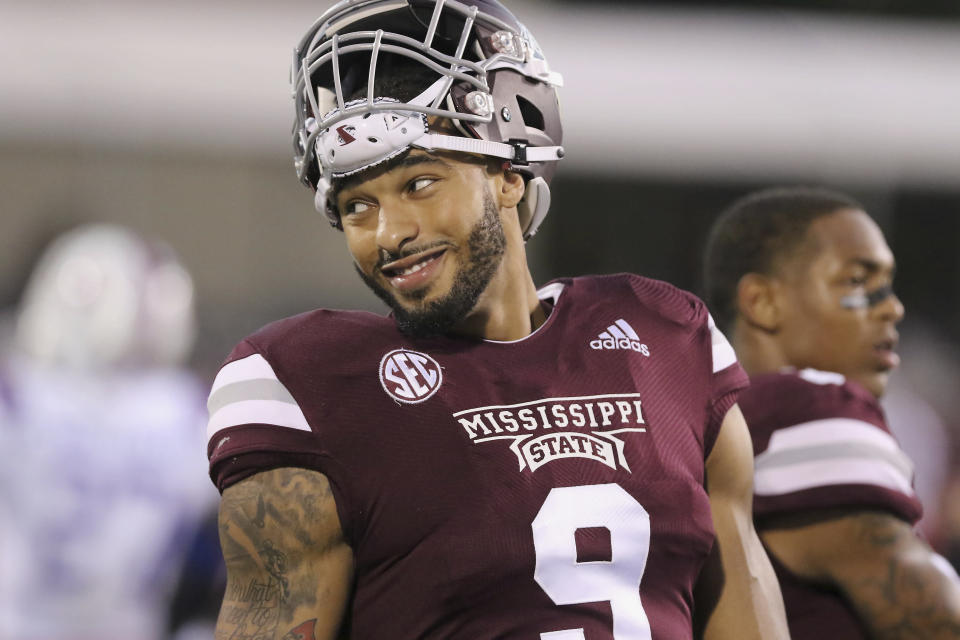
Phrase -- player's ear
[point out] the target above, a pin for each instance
(758, 302)
(512, 188)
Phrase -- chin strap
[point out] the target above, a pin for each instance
(532, 209)
(518, 153)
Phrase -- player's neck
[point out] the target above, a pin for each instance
(509, 308)
(757, 352)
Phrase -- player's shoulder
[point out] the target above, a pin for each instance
(300, 355)
(813, 393)
(270, 395)
(327, 331)
(650, 296)
(822, 442)
(330, 326)
(807, 397)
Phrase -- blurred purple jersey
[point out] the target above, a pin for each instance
(822, 442)
(99, 493)
(550, 487)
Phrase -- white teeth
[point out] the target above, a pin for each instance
(415, 267)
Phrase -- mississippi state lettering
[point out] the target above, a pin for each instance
(553, 428)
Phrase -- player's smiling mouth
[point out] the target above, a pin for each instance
(413, 272)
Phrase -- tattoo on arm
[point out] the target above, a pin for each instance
(305, 631)
(269, 525)
(904, 596)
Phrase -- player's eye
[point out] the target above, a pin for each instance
(355, 206)
(856, 281)
(418, 184)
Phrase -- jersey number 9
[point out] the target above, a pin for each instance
(568, 581)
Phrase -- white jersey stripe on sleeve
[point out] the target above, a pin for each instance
(254, 367)
(825, 473)
(268, 412)
(829, 431)
(247, 391)
(723, 355)
(835, 451)
(829, 452)
(262, 389)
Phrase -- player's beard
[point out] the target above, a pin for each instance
(486, 245)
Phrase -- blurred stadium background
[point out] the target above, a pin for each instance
(173, 119)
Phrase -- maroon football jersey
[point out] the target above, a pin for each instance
(550, 487)
(822, 442)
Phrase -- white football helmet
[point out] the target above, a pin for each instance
(101, 296)
(479, 68)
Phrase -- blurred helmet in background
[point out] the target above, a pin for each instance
(101, 296)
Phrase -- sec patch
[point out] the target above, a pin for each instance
(410, 376)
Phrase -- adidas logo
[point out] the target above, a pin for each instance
(620, 335)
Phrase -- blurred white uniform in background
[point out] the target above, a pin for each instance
(101, 442)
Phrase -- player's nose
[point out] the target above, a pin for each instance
(397, 225)
(891, 309)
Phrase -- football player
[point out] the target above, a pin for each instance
(801, 279)
(99, 441)
(492, 460)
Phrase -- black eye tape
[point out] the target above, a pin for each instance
(867, 300)
(877, 296)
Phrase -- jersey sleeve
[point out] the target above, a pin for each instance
(718, 373)
(255, 423)
(821, 442)
(728, 378)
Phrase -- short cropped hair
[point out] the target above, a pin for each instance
(397, 77)
(754, 233)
